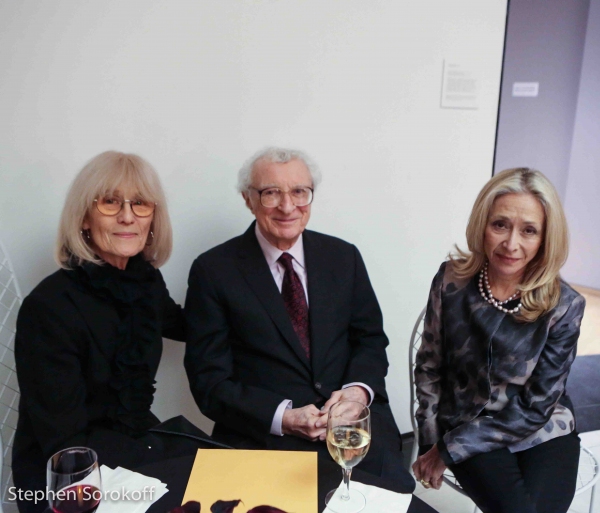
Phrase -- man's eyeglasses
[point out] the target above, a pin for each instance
(111, 206)
(272, 196)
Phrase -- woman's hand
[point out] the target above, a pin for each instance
(429, 468)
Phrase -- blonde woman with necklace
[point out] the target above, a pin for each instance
(500, 336)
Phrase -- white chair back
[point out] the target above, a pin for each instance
(415, 343)
(588, 474)
(10, 302)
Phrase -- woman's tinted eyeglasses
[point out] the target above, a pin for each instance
(110, 206)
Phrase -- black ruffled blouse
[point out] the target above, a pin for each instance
(131, 291)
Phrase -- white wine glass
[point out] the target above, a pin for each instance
(74, 481)
(348, 441)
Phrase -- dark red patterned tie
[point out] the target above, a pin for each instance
(295, 302)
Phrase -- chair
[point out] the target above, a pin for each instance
(589, 469)
(588, 474)
(10, 301)
(415, 343)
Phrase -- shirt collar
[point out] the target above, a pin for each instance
(272, 253)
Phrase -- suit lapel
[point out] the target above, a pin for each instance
(256, 272)
(322, 298)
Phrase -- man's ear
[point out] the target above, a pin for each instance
(246, 197)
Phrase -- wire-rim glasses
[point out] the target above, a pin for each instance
(272, 197)
(110, 206)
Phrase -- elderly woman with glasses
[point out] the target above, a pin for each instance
(89, 336)
(500, 336)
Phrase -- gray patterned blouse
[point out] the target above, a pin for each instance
(487, 381)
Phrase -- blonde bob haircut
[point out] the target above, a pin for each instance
(540, 288)
(101, 176)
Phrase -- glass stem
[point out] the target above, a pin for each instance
(346, 490)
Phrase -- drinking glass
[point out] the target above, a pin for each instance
(74, 482)
(348, 441)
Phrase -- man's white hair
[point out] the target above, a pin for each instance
(277, 155)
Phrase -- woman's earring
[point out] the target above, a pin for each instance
(151, 239)
(85, 234)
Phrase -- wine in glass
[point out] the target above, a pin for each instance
(74, 482)
(348, 441)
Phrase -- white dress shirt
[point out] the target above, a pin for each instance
(272, 255)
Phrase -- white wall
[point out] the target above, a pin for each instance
(195, 87)
(582, 203)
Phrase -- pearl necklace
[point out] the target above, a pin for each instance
(489, 297)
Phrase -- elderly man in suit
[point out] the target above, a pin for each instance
(283, 323)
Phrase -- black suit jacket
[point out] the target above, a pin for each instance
(243, 357)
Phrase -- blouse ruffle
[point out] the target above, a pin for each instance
(132, 292)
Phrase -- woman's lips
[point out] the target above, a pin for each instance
(125, 235)
(508, 260)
